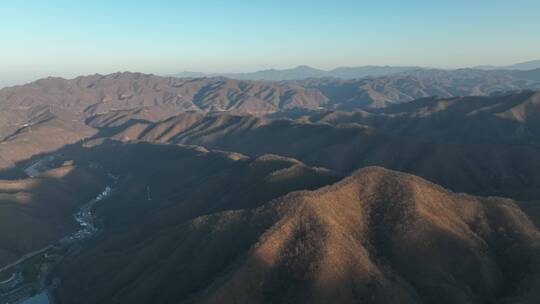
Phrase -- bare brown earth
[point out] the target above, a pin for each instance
(45, 136)
(377, 236)
(98, 94)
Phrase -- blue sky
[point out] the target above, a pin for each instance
(69, 38)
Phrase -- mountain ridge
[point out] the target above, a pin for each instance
(304, 71)
(344, 72)
(360, 239)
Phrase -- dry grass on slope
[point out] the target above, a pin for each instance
(386, 237)
(378, 236)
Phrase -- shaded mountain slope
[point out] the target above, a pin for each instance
(172, 173)
(377, 236)
(494, 169)
(38, 212)
(510, 118)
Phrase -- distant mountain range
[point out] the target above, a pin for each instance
(95, 94)
(529, 65)
(379, 92)
(56, 105)
(304, 72)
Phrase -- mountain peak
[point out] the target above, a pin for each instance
(304, 67)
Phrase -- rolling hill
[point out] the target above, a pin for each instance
(486, 169)
(85, 96)
(498, 119)
(97, 94)
(377, 236)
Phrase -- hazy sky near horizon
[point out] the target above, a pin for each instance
(69, 38)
